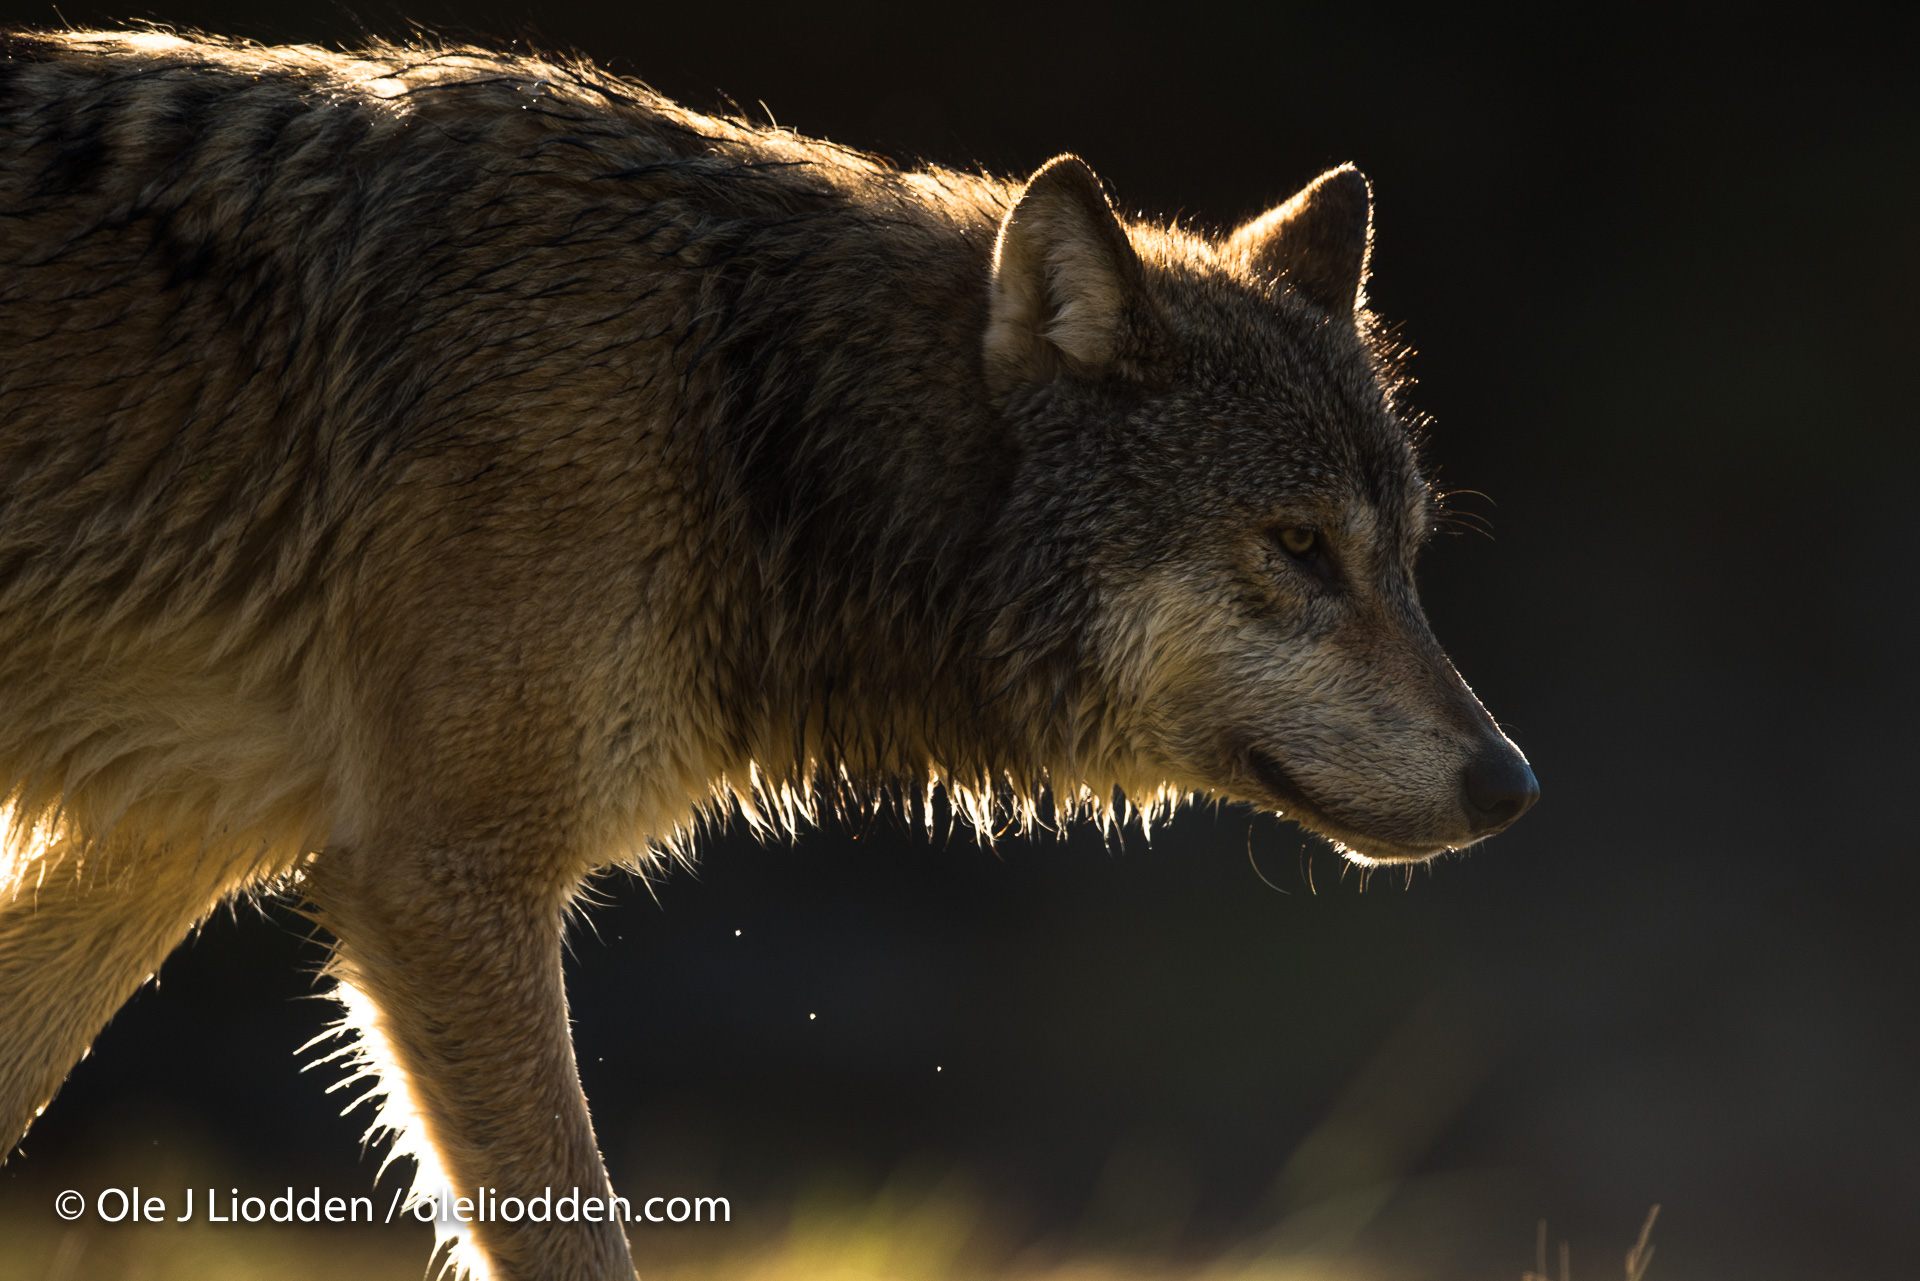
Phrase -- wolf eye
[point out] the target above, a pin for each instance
(1307, 548)
(1298, 541)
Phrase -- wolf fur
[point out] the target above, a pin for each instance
(428, 476)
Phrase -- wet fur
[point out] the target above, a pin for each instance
(428, 476)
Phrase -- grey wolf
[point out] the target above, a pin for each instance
(430, 476)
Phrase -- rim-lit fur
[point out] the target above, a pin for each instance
(436, 474)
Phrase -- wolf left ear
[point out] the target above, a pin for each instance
(1318, 242)
(1063, 274)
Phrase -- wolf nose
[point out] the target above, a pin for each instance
(1499, 788)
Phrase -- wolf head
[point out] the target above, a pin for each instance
(1209, 438)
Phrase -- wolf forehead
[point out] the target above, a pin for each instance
(1266, 402)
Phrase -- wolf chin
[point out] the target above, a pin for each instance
(429, 476)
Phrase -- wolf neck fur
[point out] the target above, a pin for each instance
(832, 478)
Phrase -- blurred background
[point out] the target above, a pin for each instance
(1660, 272)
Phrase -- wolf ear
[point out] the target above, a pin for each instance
(1318, 242)
(1063, 274)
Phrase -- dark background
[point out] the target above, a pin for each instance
(1660, 273)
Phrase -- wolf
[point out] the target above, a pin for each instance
(430, 476)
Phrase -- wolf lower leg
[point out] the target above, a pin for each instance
(456, 965)
(79, 934)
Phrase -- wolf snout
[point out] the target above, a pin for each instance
(1497, 787)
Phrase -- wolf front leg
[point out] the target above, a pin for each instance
(451, 964)
(80, 931)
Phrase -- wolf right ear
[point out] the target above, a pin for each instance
(1064, 273)
(1318, 242)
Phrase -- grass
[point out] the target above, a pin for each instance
(1639, 1258)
